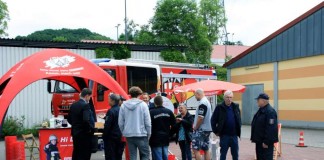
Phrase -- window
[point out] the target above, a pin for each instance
(101, 92)
(145, 78)
(111, 72)
(100, 88)
(61, 87)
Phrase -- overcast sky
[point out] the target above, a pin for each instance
(249, 20)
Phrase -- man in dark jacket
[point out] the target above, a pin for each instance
(112, 136)
(226, 123)
(162, 119)
(264, 128)
(79, 117)
(183, 130)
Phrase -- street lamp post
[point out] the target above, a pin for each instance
(117, 30)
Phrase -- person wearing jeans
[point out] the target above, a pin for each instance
(140, 143)
(160, 153)
(183, 130)
(162, 121)
(226, 123)
(135, 124)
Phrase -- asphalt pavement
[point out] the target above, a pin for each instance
(314, 139)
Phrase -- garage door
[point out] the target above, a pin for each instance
(249, 105)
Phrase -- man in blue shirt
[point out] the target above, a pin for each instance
(226, 123)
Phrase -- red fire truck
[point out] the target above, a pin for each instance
(150, 76)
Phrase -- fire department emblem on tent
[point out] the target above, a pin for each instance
(57, 62)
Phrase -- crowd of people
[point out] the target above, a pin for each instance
(147, 127)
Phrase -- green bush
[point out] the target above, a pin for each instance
(103, 52)
(13, 126)
(121, 52)
(173, 56)
(117, 52)
(221, 76)
(33, 130)
(60, 39)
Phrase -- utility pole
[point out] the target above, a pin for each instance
(117, 31)
(222, 4)
(125, 23)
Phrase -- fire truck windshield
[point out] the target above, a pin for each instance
(61, 87)
(111, 72)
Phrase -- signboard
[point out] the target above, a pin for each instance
(63, 146)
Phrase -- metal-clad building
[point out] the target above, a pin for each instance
(12, 51)
(146, 55)
(289, 66)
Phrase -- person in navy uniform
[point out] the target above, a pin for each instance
(264, 130)
(112, 136)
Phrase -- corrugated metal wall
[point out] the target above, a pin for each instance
(306, 38)
(146, 55)
(33, 102)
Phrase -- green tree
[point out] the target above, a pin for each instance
(213, 17)
(121, 52)
(177, 22)
(131, 30)
(103, 52)
(240, 43)
(4, 18)
(71, 35)
(221, 76)
(144, 35)
(172, 55)
(60, 39)
(230, 43)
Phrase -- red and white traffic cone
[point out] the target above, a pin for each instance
(301, 140)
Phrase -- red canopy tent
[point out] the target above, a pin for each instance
(55, 64)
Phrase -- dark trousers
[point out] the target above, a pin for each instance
(264, 153)
(185, 150)
(114, 149)
(225, 143)
(81, 147)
